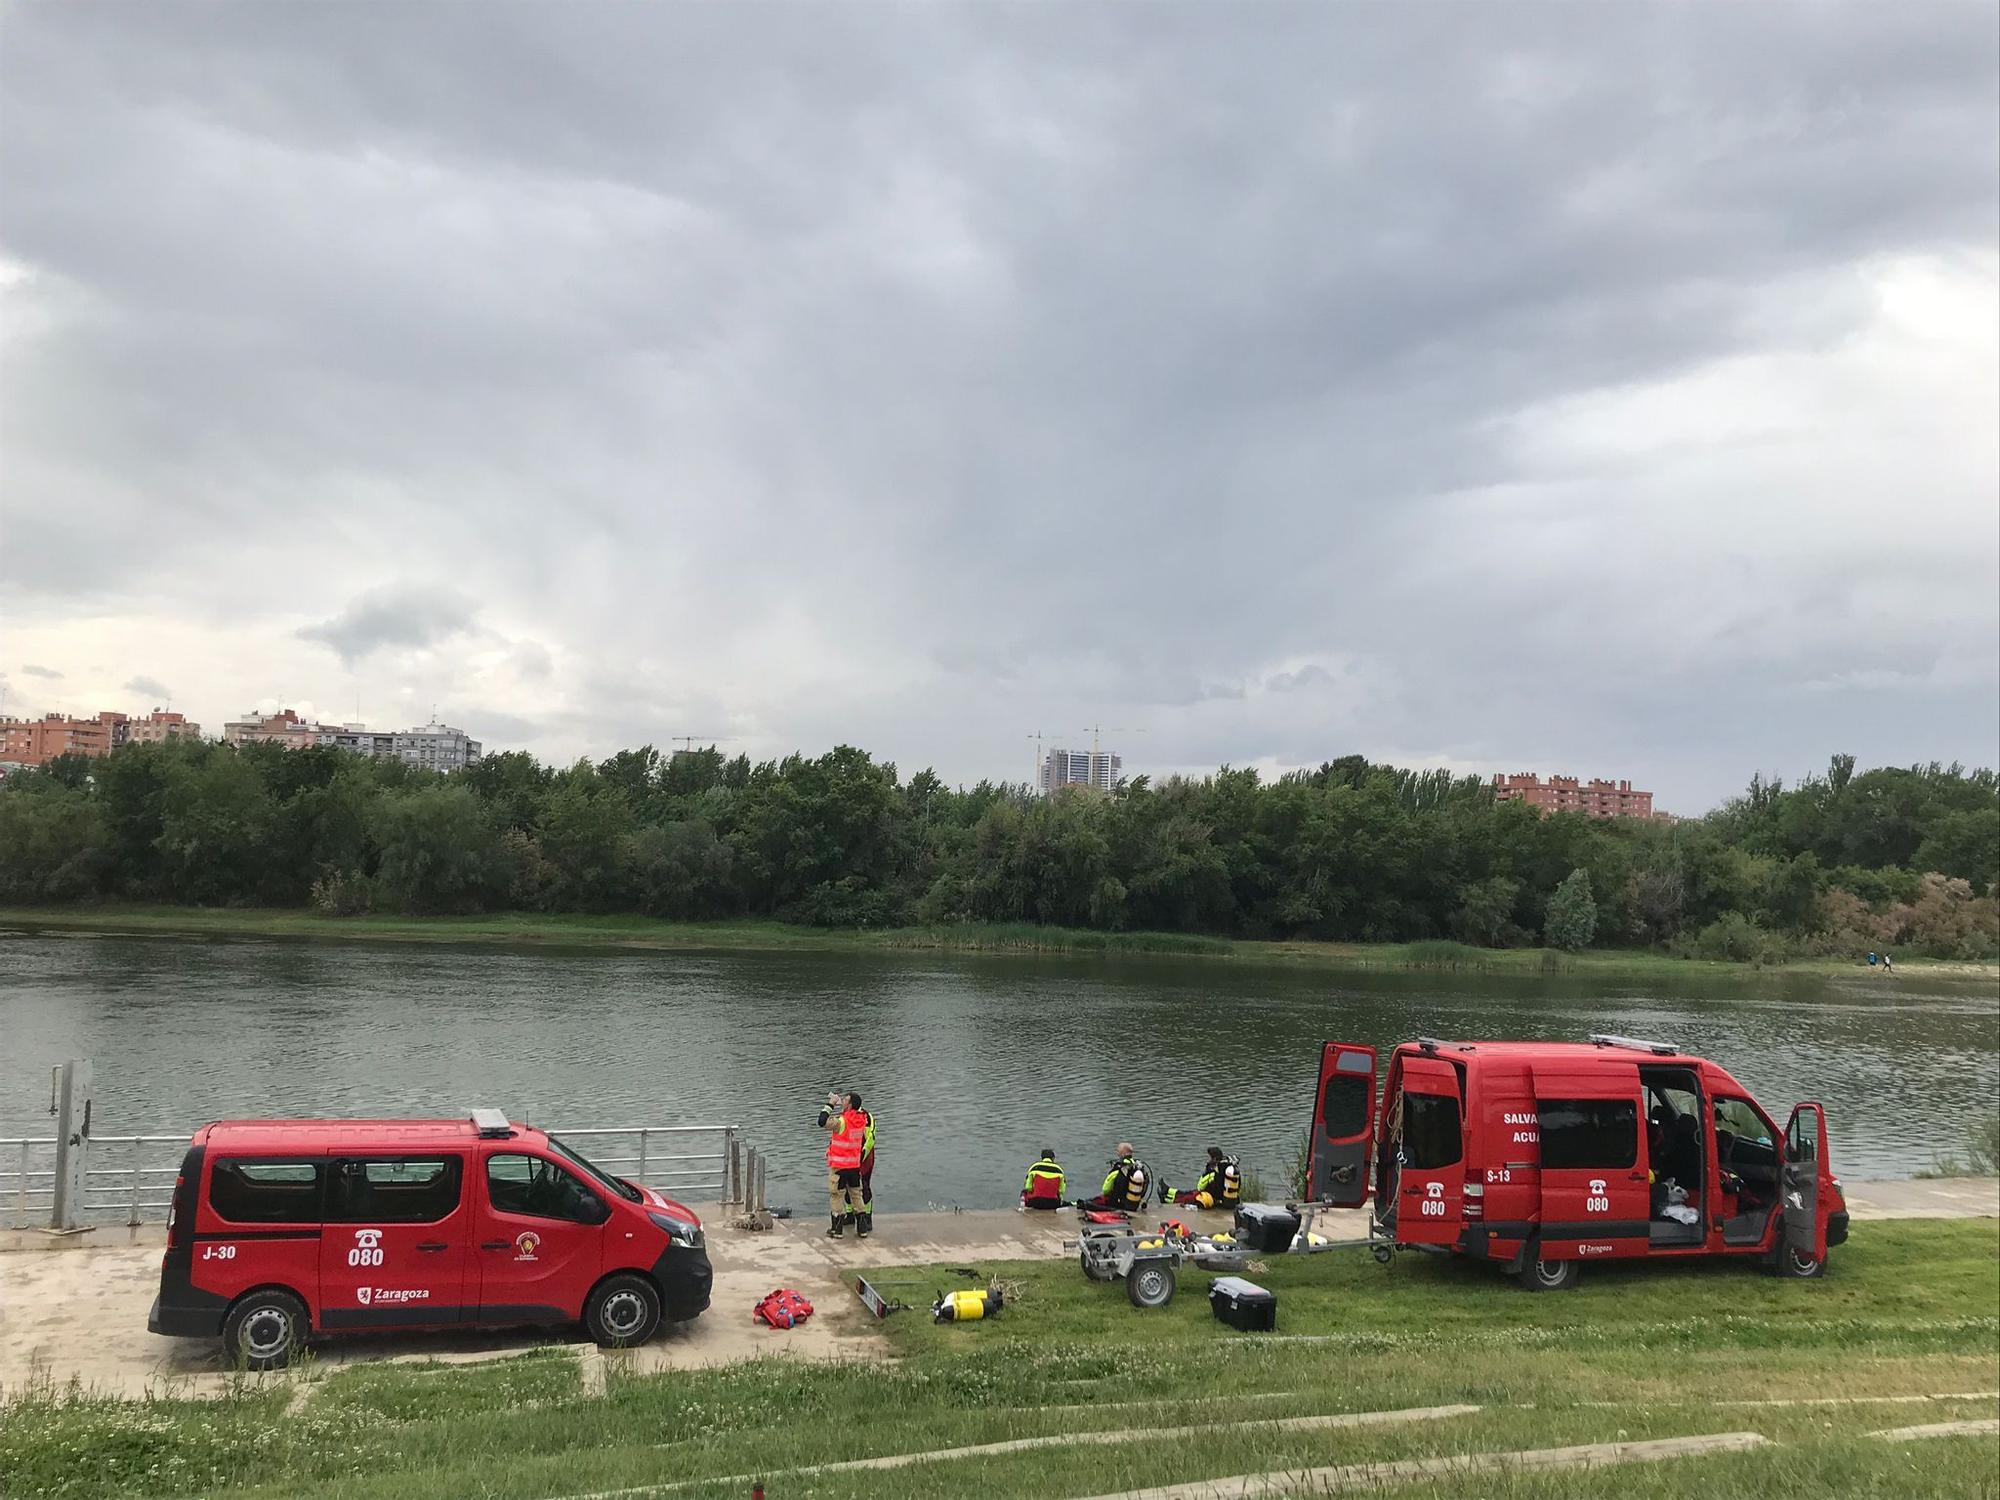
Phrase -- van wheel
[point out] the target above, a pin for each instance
(624, 1311)
(263, 1330)
(1792, 1265)
(1150, 1285)
(1539, 1275)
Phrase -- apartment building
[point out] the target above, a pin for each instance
(1595, 798)
(32, 742)
(1096, 768)
(158, 726)
(434, 747)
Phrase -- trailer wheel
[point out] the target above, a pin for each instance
(1150, 1284)
(1384, 1254)
(1792, 1265)
(1539, 1275)
(264, 1329)
(1094, 1268)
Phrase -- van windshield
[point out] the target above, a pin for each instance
(623, 1189)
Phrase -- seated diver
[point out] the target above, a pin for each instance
(1125, 1185)
(1220, 1185)
(1044, 1187)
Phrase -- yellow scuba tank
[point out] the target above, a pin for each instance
(966, 1306)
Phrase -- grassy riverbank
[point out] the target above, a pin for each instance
(647, 934)
(1901, 1333)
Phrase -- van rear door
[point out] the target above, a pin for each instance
(1595, 1198)
(1430, 1150)
(1342, 1135)
(1808, 1180)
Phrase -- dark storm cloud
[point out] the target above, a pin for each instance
(1277, 380)
(399, 615)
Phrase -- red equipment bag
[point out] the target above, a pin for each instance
(783, 1308)
(1105, 1216)
(1177, 1229)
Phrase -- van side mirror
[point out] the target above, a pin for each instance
(592, 1209)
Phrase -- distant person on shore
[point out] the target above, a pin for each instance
(1125, 1185)
(845, 1128)
(1044, 1187)
(1888, 964)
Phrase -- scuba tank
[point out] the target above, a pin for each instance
(966, 1306)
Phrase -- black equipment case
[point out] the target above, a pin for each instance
(1243, 1304)
(1267, 1226)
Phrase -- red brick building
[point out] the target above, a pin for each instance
(31, 742)
(1594, 799)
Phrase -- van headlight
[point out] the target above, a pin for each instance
(682, 1232)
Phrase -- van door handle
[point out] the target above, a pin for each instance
(495, 1244)
(428, 1246)
(1635, 1177)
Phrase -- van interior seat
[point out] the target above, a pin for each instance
(1680, 1158)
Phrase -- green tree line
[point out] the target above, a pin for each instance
(1903, 858)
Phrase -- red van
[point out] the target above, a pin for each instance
(280, 1228)
(1544, 1155)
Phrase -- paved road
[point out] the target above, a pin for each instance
(76, 1306)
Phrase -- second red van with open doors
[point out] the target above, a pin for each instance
(1545, 1155)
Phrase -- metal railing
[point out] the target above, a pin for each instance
(138, 1182)
(698, 1171)
(133, 1182)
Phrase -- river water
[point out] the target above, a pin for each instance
(972, 1063)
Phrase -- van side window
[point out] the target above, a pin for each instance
(393, 1190)
(518, 1184)
(1431, 1137)
(265, 1192)
(1589, 1132)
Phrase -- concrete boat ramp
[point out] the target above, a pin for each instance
(74, 1306)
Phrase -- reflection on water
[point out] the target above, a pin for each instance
(971, 1063)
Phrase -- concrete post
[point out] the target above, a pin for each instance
(732, 1175)
(72, 1144)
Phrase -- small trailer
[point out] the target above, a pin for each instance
(1148, 1261)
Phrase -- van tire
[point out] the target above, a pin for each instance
(623, 1311)
(1150, 1284)
(1796, 1267)
(264, 1329)
(1539, 1275)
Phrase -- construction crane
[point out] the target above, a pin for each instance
(1098, 729)
(687, 741)
(1035, 776)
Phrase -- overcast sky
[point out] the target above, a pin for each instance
(1602, 389)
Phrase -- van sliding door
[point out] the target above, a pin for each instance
(1430, 1152)
(1595, 1197)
